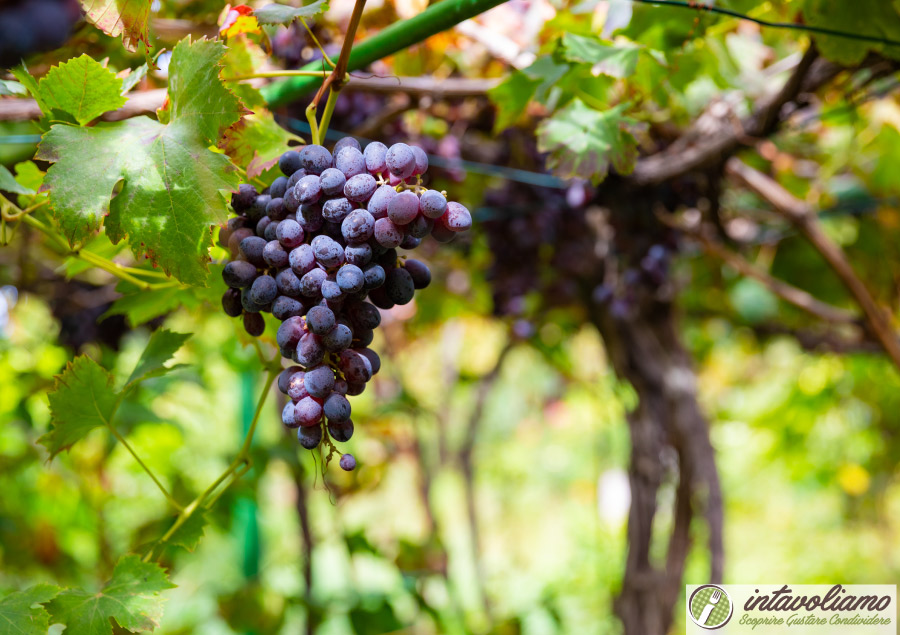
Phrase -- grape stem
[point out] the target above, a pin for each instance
(238, 467)
(318, 45)
(281, 73)
(336, 79)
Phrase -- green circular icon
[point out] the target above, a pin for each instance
(710, 607)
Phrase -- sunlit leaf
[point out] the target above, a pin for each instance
(81, 88)
(256, 142)
(285, 14)
(127, 18)
(584, 142)
(162, 346)
(20, 616)
(605, 57)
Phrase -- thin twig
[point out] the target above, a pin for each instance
(787, 292)
(805, 219)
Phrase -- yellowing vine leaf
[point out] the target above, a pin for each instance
(127, 18)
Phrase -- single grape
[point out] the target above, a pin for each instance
(274, 255)
(251, 249)
(400, 160)
(359, 255)
(387, 234)
(432, 204)
(340, 386)
(231, 303)
(291, 199)
(379, 298)
(264, 222)
(363, 338)
(310, 436)
(442, 234)
(234, 241)
(410, 242)
(350, 162)
(308, 189)
(419, 271)
(358, 227)
(375, 276)
(243, 198)
(288, 283)
(319, 381)
(289, 162)
(254, 324)
(284, 307)
(296, 388)
(239, 274)
(328, 252)
(355, 388)
(249, 304)
(311, 282)
(278, 188)
(338, 339)
(290, 234)
(345, 142)
(364, 316)
(350, 278)
(302, 260)
(332, 182)
(399, 286)
(290, 332)
(264, 290)
(420, 227)
(258, 209)
(315, 159)
(457, 218)
(310, 350)
(310, 218)
(271, 232)
(320, 320)
(356, 367)
(276, 209)
(340, 431)
(308, 412)
(373, 358)
(295, 178)
(331, 290)
(285, 377)
(375, 155)
(347, 462)
(336, 408)
(380, 200)
(403, 208)
(360, 188)
(336, 209)
(421, 160)
(289, 417)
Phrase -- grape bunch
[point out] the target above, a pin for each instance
(318, 250)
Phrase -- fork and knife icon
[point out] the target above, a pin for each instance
(708, 609)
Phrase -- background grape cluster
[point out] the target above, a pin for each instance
(30, 26)
(318, 250)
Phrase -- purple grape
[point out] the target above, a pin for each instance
(302, 260)
(296, 388)
(319, 381)
(374, 359)
(288, 283)
(359, 255)
(347, 462)
(338, 339)
(350, 278)
(320, 320)
(310, 350)
(457, 218)
(278, 188)
(315, 159)
(332, 181)
(251, 249)
(442, 234)
(263, 290)
(271, 232)
(290, 234)
(289, 162)
(421, 160)
(285, 377)
(403, 208)
(310, 437)
(375, 155)
(331, 290)
(231, 303)
(290, 332)
(308, 412)
(350, 162)
(345, 142)
(420, 227)
(336, 209)
(239, 274)
(309, 217)
(387, 233)
(274, 255)
(288, 416)
(254, 324)
(311, 282)
(381, 198)
(264, 222)
(243, 198)
(400, 160)
(410, 242)
(328, 252)
(258, 209)
(337, 409)
(356, 367)
(375, 276)
(419, 272)
(340, 431)
(364, 316)
(399, 286)
(360, 188)
(358, 227)
(432, 204)
(276, 209)
(284, 307)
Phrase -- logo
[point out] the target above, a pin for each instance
(710, 607)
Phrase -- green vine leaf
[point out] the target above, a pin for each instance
(583, 142)
(9, 184)
(284, 14)
(511, 97)
(82, 399)
(256, 142)
(189, 535)
(606, 58)
(879, 18)
(131, 598)
(128, 18)
(162, 346)
(140, 306)
(12, 88)
(81, 88)
(19, 616)
(172, 184)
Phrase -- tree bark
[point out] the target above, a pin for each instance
(670, 437)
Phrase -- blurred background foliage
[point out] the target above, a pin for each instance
(492, 494)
